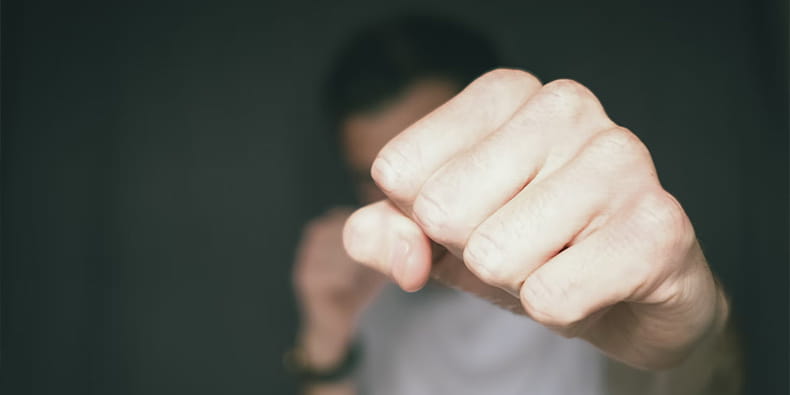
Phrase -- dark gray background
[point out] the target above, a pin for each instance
(158, 159)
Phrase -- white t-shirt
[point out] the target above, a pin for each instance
(443, 341)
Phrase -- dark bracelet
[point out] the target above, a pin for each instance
(295, 363)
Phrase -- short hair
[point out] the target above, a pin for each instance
(382, 59)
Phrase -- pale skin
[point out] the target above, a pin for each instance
(331, 288)
(530, 196)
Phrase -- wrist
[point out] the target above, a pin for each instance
(321, 371)
(324, 346)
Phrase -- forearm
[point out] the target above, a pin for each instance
(345, 387)
(714, 367)
(324, 349)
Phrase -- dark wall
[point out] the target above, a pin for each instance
(158, 159)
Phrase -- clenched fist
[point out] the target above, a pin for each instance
(529, 195)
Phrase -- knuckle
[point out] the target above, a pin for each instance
(568, 92)
(570, 103)
(484, 258)
(503, 78)
(663, 217)
(567, 100)
(543, 301)
(618, 142)
(566, 86)
(393, 168)
(668, 214)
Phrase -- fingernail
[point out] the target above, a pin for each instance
(399, 259)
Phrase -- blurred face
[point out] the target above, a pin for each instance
(364, 134)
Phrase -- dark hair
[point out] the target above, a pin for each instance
(382, 59)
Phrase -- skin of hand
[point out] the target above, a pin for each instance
(331, 290)
(530, 196)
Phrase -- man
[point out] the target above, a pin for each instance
(520, 193)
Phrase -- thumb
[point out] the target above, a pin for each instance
(381, 237)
